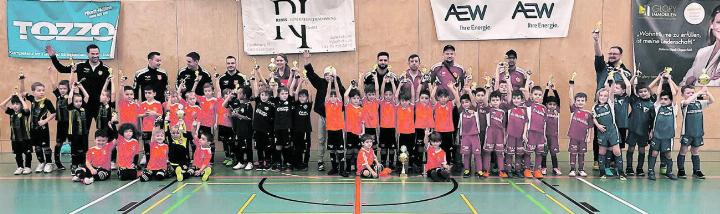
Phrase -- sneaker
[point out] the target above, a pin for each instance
(698, 174)
(466, 173)
(663, 170)
(609, 172)
(333, 172)
(344, 173)
(681, 174)
(59, 166)
(596, 166)
(622, 177)
(40, 168)
(88, 181)
(206, 174)
(18, 171)
(321, 166)
(603, 177)
(503, 174)
(629, 172)
(639, 172)
(230, 163)
(557, 171)
(26, 171)
(49, 168)
(485, 173)
(113, 166)
(239, 165)
(651, 175)
(527, 173)
(249, 166)
(479, 174)
(583, 174)
(538, 174)
(179, 174)
(76, 178)
(544, 171)
(572, 173)
(226, 161)
(671, 176)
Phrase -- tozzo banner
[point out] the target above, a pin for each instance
(69, 26)
(287, 26)
(676, 34)
(488, 19)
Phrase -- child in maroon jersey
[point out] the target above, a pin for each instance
(516, 133)
(581, 121)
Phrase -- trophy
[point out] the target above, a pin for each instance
(529, 72)
(255, 65)
(115, 117)
(72, 62)
(572, 78)
(474, 85)
(425, 75)
(403, 158)
(611, 76)
(272, 67)
(22, 74)
(704, 78)
(110, 71)
(551, 80)
(597, 27)
(295, 63)
(197, 74)
(123, 77)
(488, 82)
(667, 71)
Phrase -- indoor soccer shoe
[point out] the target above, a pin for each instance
(671, 176)
(479, 174)
(651, 175)
(503, 174)
(88, 181)
(206, 174)
(538, 174)
(26, 171)
(629, 172)
(572, 173)
(40, 168)
(76, 178)
(466, 173)
(682, 174)
(179, 173)
(321, 166)
(698, 174)
(527, 173)
(609, 172)
(556, 171)
(544, 171)
(239, 165)
(249, 166)
(18, 171)
(583, 174)
(49, 168)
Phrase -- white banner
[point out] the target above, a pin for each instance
(506, 19)
(289, 26)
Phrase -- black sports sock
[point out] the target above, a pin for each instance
(680, 162)
(695, 162)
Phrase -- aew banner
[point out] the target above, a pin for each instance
(488, 19)
(286, 26)
(69, 26)
(676, 34)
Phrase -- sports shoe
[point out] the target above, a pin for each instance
(321, 166)
(88, 180)
(479, 174)
(226, 161)
(466, 173)
(113, 166)
(18, 171)
(603, 176)
(344, 173)
(332, 172)
(249, 166)
(663, 170)
(698, 174)
(544, 171)
(230, 163)
(179, 173)
(503, 174)
(622, 177)
(639, 172)
(609, 172)
(582, 173)
(596, 166)
(557, 171)
(485, 173)
(629, 172)
(572, 173)
(671, 176)
(49, 168)
(681, 174)
(26, 171)
(40, 168)
(75, 178)
(651, 175)
(527, 173)
(538, 174)
(206, 174)
(239, 165)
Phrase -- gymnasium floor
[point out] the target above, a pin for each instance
(241, 191)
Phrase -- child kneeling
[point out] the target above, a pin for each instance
(436, 167)
(367, 164)
(201, 158)
(97, 163)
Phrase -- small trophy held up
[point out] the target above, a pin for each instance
(255, 65)
(704, 78)
(110, 71)
(22, 74)
(529, 72)
(295, 64)
(72, 62)
(611, 76)
(667, 71)
(488, 82)
(572, 78)
(124, 78)
(597, 27)
(197, 74)
(551, 80)
(272, 67)
(403, 158)
(474, 85)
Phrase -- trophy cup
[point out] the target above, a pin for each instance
(22, 74)
(110, 71)
(474, 85)
(123, 77)
(403, 158)
(572, 78)
(704, 78)
(295, 64)
(197, 74)
(72, 62)
(611, 76)
(488, 82)
(425, 75)
(255, 65)
(597, 27)
(551, 80)
(529, 72)
(272, 67)
(667, 70)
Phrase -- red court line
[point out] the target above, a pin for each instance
(358, 203)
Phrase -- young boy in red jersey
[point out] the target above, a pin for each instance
(495, 134)
(581, 122)
(388, 113)
(444, 121)
(371, 108)
(552, 127)
(367, 165)
(128, 149)
(353, 126)
(536, 112)
(97, 164)
(126, 106)
(424, 120)
(406, 122)
(201, 165)
(334, 124)
(516, 134)
(158, 163)
(208, 112)
(150, 110)
(436, 167)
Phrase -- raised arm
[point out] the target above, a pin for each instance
(327, 92)
(571, 92)
(673, 87)
(56, 63)
(53, 78)
(86, 97)
(216, 87)
(395, 89)
(347, 93)
(455, 93)
(628, 86)
(21, 86)
(25, 103)
(5, 102)
(255, 84)
(596, 43)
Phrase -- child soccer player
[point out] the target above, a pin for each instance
(178, 151)
(581, 122)
(128, 149)
(334, 125)
(41, 112)
(225, 131)
(663, 128)
(207, 113)
(302, 127)
(552, 122)
(97, 164)
(77, 128)
(263, 124)
(242, 118)
(61, 96)
(150, 110)
(424, 120)
(517, 130)
(641, 117)
(201, 158)
(353, 127)
(537, 115)
(126, 106)
(371, 108)
(693, 132)
(388, 141)
(608, 136)
(444, 122)
(621, 94)
(104, 117)
(367, 165)
(436, 167)
(282, 154)
(469, 126)
(158, 163)
(495, 135)
(19, 111)
(406, 122)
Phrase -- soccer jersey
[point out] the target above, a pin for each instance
(39, 110)
(283, 113)
(622, 103)
(693, 118)
(424, 116)
(18, 124)
(207, 113)
(370, 113)
(158, 156)
(301, 117)
(482, 113)
(538, 117)
(129, 112)
(365, 156)
(242, 127)
(62, 106)
(664, 122)
(469, 123)
(443, 117)
(642, 115)
(552, 123)
(126, 151)
(104, 115)
(497, 118)
(263, 116)
(201, 156)
(223, 116)
(580, 121)
(353, 119)
(149, 121)
(334, 119)
(77, 123)
(603, 113)
(435, 158)
(387, 114)
(99, 157)
(172, 110)
(191, 114)
(517, 118)
(405, 116)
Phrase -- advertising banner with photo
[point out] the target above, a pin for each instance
(489, 20)
(289, 26)
(676, 34)
(69, 26)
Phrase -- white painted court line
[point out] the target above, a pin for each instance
(104, 197)
(613, 196)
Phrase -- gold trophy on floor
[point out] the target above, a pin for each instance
(403, 158)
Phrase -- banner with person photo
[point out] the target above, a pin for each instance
(69, 26)
(271, 27)
(677, 34)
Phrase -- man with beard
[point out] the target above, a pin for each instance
(514, 75)
(92, 73)
(189, 73)
(413, 73)
(152, 76)
(232, 78)
(383, 60)
(447, 71)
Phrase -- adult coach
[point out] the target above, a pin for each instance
(447, 71)
(92, 73)
(515, 75)
(190, 72)
(152, 76)
(383, 69)
(232, 78)
(320, 84)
